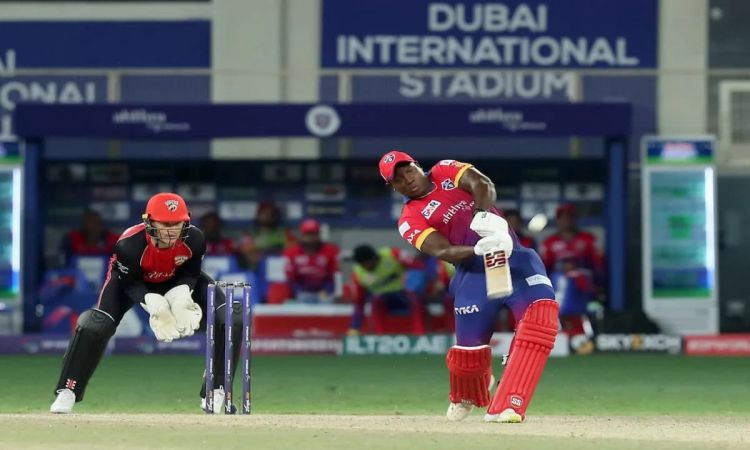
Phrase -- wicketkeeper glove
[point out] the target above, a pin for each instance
(486, 224)
(162, 321)
(186, 312)
(493, 243)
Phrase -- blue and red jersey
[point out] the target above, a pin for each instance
(446, 209)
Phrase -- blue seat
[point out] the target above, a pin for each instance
(64, 294)
(94, 268)
(256, 293)
(215, 264)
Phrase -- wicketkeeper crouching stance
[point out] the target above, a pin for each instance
(156, 264)
(450, 213)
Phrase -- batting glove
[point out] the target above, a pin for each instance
(186, 312)
(162, 321)
(493, 243)
(486, 223)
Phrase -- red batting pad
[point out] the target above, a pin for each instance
(532, 344)
(470, 371)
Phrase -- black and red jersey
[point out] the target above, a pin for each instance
(138, 262)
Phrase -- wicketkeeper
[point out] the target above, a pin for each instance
(156, 264)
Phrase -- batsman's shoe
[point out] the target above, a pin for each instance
(63, 402)
(506, 416)
(460, 411)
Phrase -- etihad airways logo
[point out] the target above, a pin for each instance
(453, 209)
(155, 121)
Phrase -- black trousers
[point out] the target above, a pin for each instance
(87, 346)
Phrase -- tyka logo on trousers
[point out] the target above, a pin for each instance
(461, 310)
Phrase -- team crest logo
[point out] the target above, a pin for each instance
(322, 120)
(180, 260)
(447, 184)
(172, 205)
(389, 158)
(430, 208)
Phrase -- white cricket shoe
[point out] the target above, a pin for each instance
(64, 402)
(506, 416)
(218, 402)
(460, 411)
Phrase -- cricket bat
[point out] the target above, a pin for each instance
(497, 274)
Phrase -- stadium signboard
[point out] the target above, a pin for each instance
(470, 33)
(397, 344)
(626, 343)
(718, 345)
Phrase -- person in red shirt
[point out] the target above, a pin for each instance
(570, 243)
(449, 213)
(91, 239)
(216, 244)
(312, 266)
(514, 221)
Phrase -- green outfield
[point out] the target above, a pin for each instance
(386, 402)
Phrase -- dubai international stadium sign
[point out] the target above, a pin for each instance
(508, 34)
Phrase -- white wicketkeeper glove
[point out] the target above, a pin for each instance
(493, 243)
(162, 321)
(486, 224)
(187, 313)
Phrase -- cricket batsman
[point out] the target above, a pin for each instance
(449, 212)
(156, 264)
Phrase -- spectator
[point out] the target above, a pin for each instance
(379, 277)
(513, 216)
(570, 243)
(216, 244)
(91, 239)
(431, 282)
(312, 265)
(574, 290)
(268, 237)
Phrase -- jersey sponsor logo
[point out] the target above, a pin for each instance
(172, 205)
(453, 209)
(122, 267)
(516, 401)
(538, 279)
(463, 310)
(430, 208)
(447, 184)
(403, 228)
(447, 162)
(180, 259)
(159, 275)
(412, 235)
